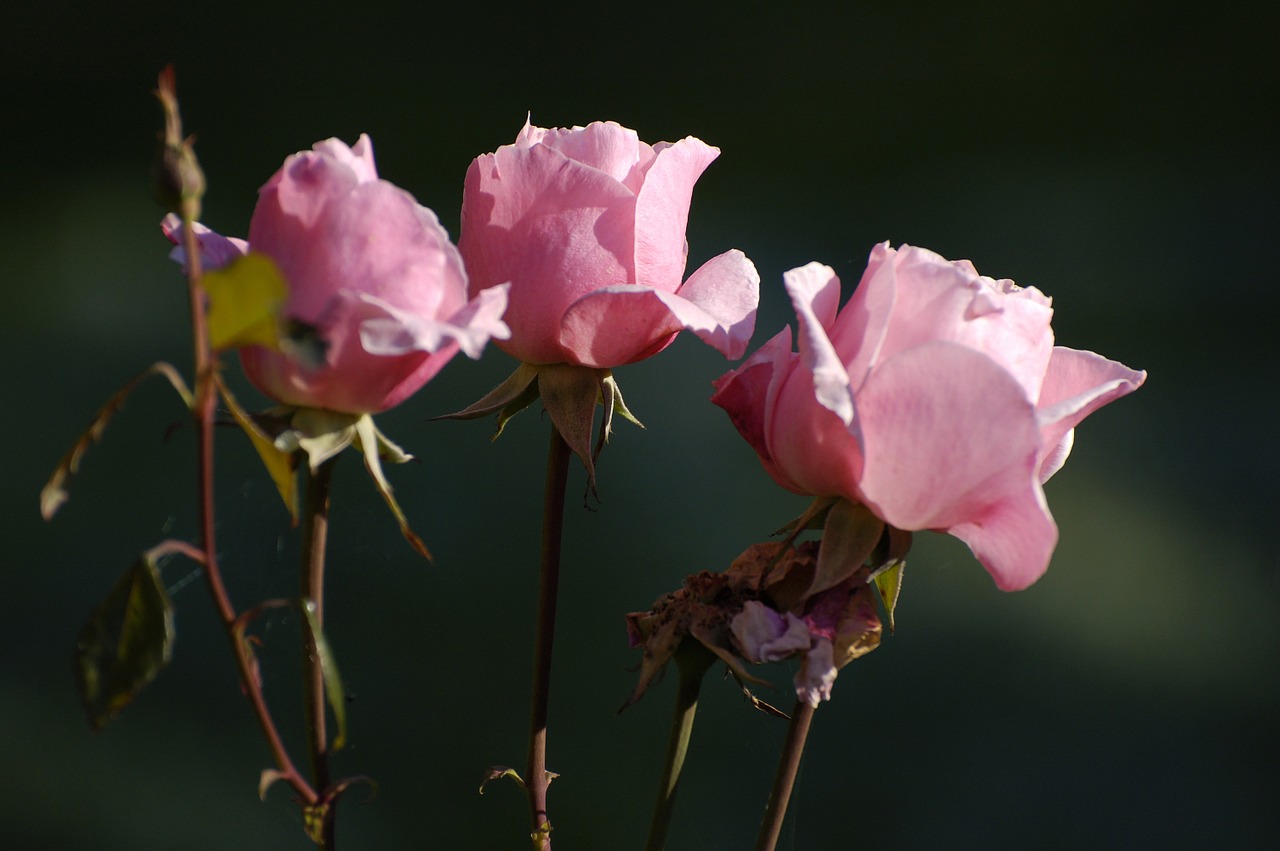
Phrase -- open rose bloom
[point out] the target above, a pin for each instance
(936, 397)
(371, 270)
(588, 226)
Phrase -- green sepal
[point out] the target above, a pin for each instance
(374, 446)
(319, 434)
(332, 679)
(849, 536)
(125, 643)
(54, 493)
(513, 395)
(570, 394)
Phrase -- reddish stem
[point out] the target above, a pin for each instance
(544, 637)
(203, 414)
(788, 766)
(315, 534)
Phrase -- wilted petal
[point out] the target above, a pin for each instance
(817, 674)
(764, 635)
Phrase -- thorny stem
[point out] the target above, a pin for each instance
(203, 415)
(788, 767)
(315, 533)
(692, 661)
(552, 531)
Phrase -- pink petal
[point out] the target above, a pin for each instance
(391, 331)
(859, 330)
(603, 145)
(1014, 538)
(1077, 384)
(555, 229)
(815, 294)
(952, 443)
(216, 250)
(621, 324)
(718, 303)
(662, 212)
(746, 395)
(937, 299)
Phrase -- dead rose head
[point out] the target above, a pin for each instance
(370, 269)
(762, 610)
(588, 226)
(936, 397)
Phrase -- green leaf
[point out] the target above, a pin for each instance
(245, 300)
(54, 493)
(332, 680)
(126, 641)
(889, 584)
(279, 463)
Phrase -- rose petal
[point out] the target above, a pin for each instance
(392, 331)
(530, 216)
(815, 295)
(620, 324)
(603, 145)
(952, 443)
(216, 250)
(745, 395)
(1077, 384)
(662, 212)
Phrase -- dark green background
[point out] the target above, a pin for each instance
(1120, 156)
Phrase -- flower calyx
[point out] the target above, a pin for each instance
(569, 394)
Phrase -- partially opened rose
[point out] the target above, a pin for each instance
(588, 226)
(936, 397)
(371, 270)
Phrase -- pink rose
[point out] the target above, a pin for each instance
(936, 397)
(588, 225)
(371, 269)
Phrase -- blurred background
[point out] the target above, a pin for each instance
(1119, 156)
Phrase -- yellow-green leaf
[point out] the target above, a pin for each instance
(245, 300)
(329, 668)
(279, 463)
(889, 584)
(54, 493)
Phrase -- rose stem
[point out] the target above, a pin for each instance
(692, 661)
(203, 413)
(552, 531)
(788, 766)
(315, 532)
